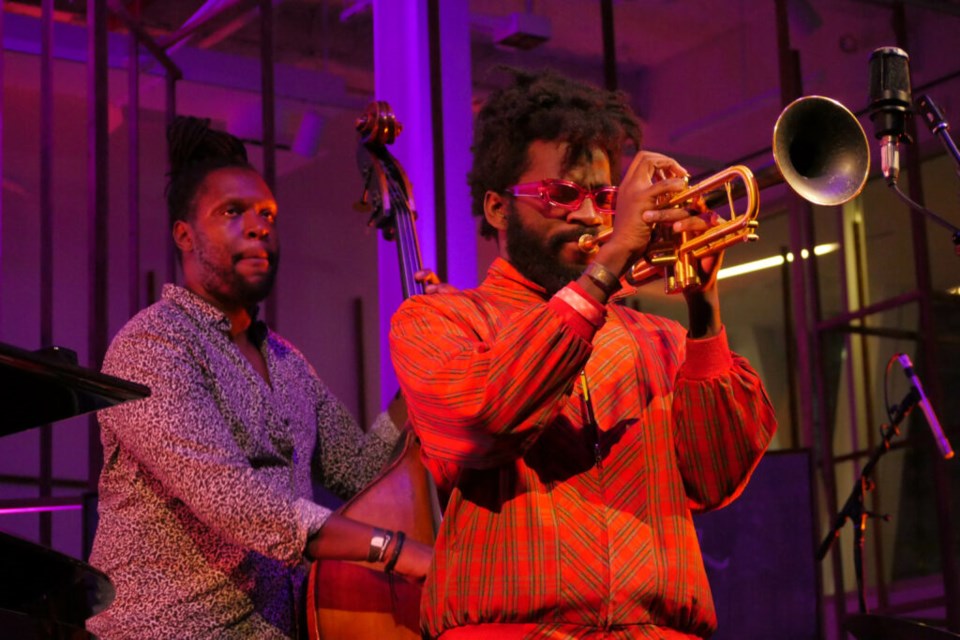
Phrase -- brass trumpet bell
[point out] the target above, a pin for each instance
(821, 150)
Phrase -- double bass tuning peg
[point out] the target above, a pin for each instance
(363, 204)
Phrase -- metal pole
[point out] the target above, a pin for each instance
(46, 241)
(171, 113)
(133, 175)
(807, 312)
(97, 206)
(436, 111)
(609, 45)
(928, 344)
(268, 97)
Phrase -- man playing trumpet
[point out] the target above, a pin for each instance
(574, 436)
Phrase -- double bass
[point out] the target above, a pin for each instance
(357, 600)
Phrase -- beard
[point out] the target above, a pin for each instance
(222, 279)
(538, 258)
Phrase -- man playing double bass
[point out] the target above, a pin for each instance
(207, 509)
(573, 436)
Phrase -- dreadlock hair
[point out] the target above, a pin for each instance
(546, 106)
(195, 151)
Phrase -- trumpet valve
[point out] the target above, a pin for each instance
(681, 275)
(662, 249)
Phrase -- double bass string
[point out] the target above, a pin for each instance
(406, 237)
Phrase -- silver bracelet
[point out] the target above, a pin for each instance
(379, 542)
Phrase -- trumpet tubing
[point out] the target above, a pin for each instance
(820, 151)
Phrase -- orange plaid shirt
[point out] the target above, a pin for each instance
(556, 528)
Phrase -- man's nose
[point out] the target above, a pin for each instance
(257, 226)
(587, 214)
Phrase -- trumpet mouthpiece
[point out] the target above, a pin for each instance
(588, 243)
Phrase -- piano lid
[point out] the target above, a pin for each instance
(41, 387)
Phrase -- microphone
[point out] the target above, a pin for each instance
(942, 443)
(890, 105)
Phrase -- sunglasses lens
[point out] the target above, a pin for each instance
(606, 199)
(563, 194)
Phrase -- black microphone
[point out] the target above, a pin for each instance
(890, 105)
(942, 443)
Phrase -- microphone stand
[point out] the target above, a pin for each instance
(940, 128)
(854, 508)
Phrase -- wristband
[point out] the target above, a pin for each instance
(603, 278)
(581, 302)
(392, 562)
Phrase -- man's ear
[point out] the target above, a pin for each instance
(495, 210)
(183, 236)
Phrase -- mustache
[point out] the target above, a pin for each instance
(571, 235)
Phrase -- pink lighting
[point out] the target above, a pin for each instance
(59, 507)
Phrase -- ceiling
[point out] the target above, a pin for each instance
(703, 75)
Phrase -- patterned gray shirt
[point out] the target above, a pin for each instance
(209, 486)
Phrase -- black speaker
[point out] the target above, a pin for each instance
(759, 554)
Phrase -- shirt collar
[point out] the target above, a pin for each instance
(500, 269)
(207, 314)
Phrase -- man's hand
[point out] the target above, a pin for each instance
(397, 410)
(414, 561)
(431, 282)
(650, 178)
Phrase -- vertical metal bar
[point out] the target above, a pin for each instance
(97, 205)
(883, 595)
(1, 153)
(46, 241)
(133, 177)
(436, 111)
(267, 97)
(806, 313)
(791, 344)
(928, 343)
(789, 90)
(360, 349)
(609, 45)
(844, 296)
(171, 113)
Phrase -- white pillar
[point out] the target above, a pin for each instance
(402, 78)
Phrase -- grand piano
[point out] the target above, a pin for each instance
(45, 594)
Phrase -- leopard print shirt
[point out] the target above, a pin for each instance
(209, 487)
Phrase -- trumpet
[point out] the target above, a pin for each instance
(820, 151)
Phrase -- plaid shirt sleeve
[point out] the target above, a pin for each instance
(480, 402)
(723, 422)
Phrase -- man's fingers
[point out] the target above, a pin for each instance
(426, 276)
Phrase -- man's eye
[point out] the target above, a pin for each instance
(269, 214)
(232, 211)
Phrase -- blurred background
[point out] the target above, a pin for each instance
(829, 296)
